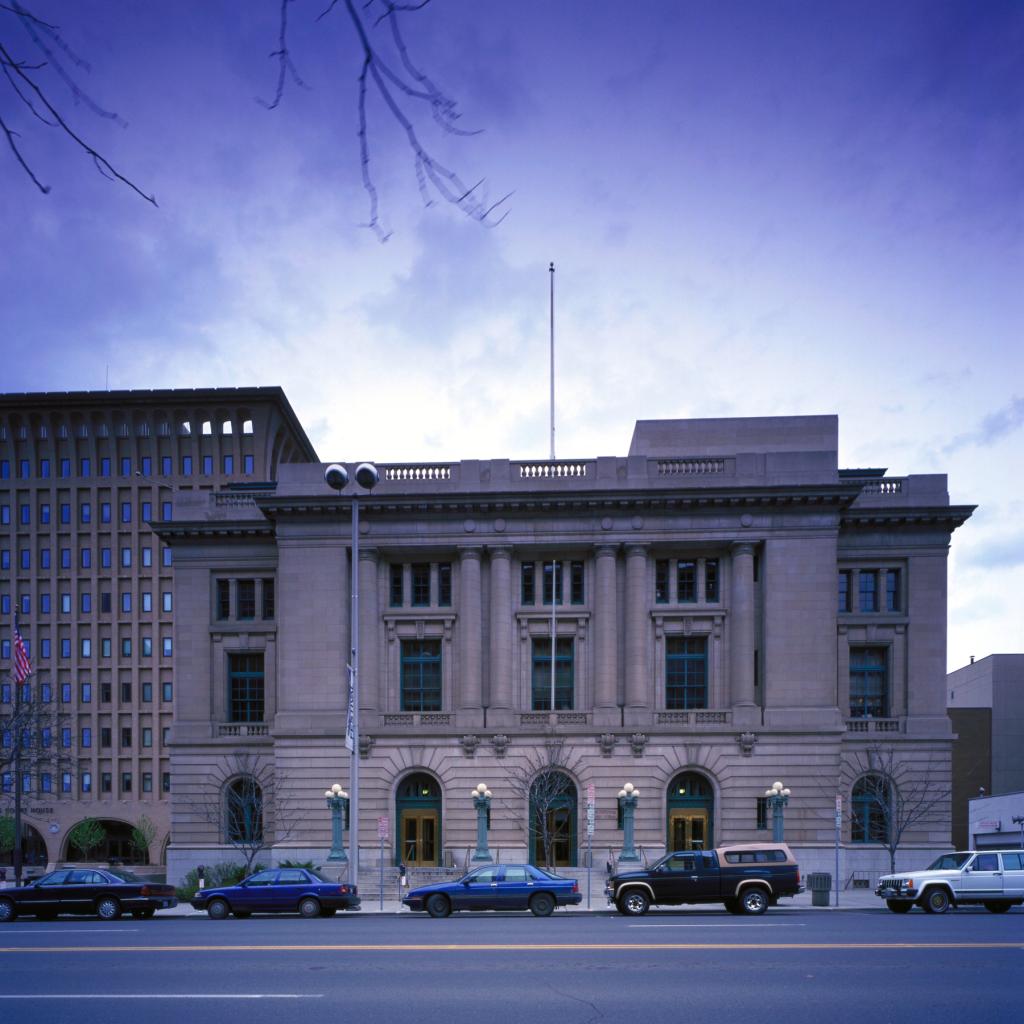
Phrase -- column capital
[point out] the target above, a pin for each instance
(467, 553)
(367, 554)
(742, 547)
(499, 551)
(606, 550)
(637, 550)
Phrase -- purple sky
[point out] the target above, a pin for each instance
(758, 208)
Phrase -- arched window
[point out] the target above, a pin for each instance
(244, 810)
(871, 812)
(553, 819)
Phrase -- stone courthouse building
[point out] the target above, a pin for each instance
(729, 607)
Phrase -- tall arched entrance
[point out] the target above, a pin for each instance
(553, 805)
(691, 806)
(418, 818)
(33, 849)
(115, 844)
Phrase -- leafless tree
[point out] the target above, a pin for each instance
(894, 795)
(542, 780)
(33, 737)
(242, 799)
(29, 72)
(405, 91)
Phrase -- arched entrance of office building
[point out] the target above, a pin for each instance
(418, 817)
(33, 850)
(691, 806)
(553, 826)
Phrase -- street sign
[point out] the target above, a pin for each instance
(383, 828)
(839, 811)
(590, 794)
(590, 819)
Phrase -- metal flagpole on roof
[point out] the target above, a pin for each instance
(551, 276)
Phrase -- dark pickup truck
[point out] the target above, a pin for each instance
(747, 879)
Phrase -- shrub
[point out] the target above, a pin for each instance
(307, 864)
(215, 875)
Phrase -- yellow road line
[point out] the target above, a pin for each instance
(514, 947)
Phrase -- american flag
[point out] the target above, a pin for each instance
(22, 665)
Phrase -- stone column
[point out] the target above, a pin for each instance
(606, 697)
(501, 630)
(741, 621)
(369, 628)
(469, 701)
(637, 635)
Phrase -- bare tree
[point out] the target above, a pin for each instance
(30, 75)
(543, 779)
(892, 796)
(241, 798)
(143, 834)
(36, 740)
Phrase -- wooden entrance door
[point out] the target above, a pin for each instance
(688, 828)
(419, 838)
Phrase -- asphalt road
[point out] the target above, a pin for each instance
(801, 966)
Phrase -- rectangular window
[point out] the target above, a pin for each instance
(126, 466)
(844, 590)
(396, 588)
(167, 557)
(65, 782)
(126, 782)
(869, 682)
(5, 515)
(245, 687)
(147, 557)
(126, 737)
(167, 692)
(166, 465)
(147, 600)
(223, 599)
(661, 593)
(762, 813)
(44, 558)
(126, 558)
(421, 675)
(167, 601)
(147, 782)
(207, 465)
(84, 467)
(65, 513)
(105, 467)
(5, 558)
(105, 693)
(229, 465)
(65, 647)
(147, 512)
(126, 601)
(147, 693)
(686, 581)
(186, 465)
(46, 782)
(85, 693)
(126, 647)
(85, 602)
(711, 585)
(65, 467)
(552, 571)
(105, 559)
(527, 587)
(46, 692)
(246, 599)
(686, 673)
(147, 647)
(868, 585)
(165, 782)
(105, 737)
(86, 554)
(44, 513)
(266, 593)
(147, 737)
(166, 511)
(444, 584)
(44, 468)
(147, 466)
(85, 739)
(65, 693)
(167, 647)
(26, 558)
(105, 647)
(576, 582)
(104, 511)
(126, 511)
(892, 590)
(65, 558)
(541, 674)
(420, 585)
(106, 782)
(25, 514)
(248, 465)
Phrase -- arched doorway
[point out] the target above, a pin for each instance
(33, 849)
(418, 815)
(691, 805)
(553, 806)
(115, 845)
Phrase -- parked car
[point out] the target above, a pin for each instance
(497, 887)
(278, 891)
(747, 879)
(993, 878)
(106, 892)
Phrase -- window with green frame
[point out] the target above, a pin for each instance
(871, 809)
(869, 682)
(541, 676)
(245, 687)
(686, 672)
(421, 675)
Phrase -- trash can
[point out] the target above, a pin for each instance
(820, 884)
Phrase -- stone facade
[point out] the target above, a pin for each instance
(701, 652)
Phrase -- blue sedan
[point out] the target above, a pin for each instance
(279, 890)
(497, 887)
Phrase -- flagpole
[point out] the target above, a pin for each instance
(551, 276)
(16, 739)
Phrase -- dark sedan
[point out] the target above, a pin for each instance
(281, 891)
(107, 893)
(497, 887)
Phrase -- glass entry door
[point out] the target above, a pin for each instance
(559, 830)
(419, 838)
(688, 829)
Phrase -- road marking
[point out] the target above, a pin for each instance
(170, 995)
(476, 947)
(81, 931)
(703, 926)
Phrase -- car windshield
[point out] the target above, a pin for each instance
(124, 876)
(949, 862)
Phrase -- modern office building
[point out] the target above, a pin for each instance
(985, 700)
(721, 608)
(82, 478)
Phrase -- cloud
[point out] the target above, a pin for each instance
(993, 427)
(1005, 552)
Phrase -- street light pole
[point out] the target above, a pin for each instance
(366, 476)
(337, 799)
(628, 796)
(482, 802)
(777, 797)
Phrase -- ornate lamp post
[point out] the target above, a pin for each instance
(337, 477)
(627, 801)
(337, 802)
(482, 802)
(777, 797)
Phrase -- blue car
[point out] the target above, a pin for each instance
(281, 891)
(497, 887)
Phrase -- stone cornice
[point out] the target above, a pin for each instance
(950, 516)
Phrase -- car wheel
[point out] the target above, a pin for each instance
(309, 907)
(634, 902)
(899, 906)
(754, 900)
(438, 905)
(328, 911)
(997, 906)
(542, 904)
(8, 911)
(108, 909)
(936, 901)
(218, 909)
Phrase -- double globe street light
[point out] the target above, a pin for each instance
(367, 477)
(777, 797)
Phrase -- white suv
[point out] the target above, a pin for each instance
(993, 878)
